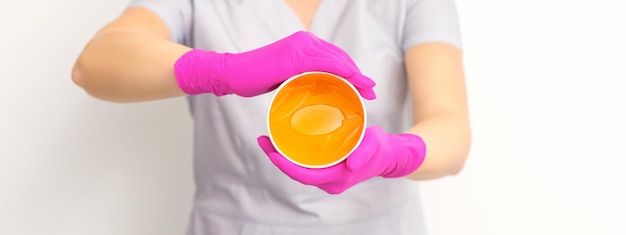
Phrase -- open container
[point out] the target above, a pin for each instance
(316, 119)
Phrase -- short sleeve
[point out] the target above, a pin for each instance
(177, 15)
(431, 21)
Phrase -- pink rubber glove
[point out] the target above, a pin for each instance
(262, 70)
(379, 154)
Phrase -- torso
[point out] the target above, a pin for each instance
(239, 191)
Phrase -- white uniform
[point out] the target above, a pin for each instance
(239, 191)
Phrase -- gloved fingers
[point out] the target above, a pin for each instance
(315, 57)
(362, 154)
(271, 88)
(327, 57)
(327, 46)
(336, 188)
(336, 53)
(326, 64)
(366, 91)
(308, 176)
(343, 54)
(363, 83)
(266, 145)
(278, 160)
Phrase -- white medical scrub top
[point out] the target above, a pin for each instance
(238, 190)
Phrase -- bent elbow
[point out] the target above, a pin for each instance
(80, 78)
(459, 164)
(85, 73)
(76, 76)
(457, 168)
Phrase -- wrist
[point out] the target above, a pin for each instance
(409, 152)
(199, 71)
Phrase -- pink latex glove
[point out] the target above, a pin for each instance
(379, 154)
(262, 70)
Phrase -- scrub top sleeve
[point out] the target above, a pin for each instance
(176, 14)
(431, 21)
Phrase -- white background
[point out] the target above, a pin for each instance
(545, 80)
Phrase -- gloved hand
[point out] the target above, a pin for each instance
(262, 70)
(379, 154)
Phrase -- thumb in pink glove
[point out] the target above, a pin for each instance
(379, 154)
(262, 70)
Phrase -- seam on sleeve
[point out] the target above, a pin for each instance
(432, 37)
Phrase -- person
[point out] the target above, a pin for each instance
(228, 56)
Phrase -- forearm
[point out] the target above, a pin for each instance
(447, 139)
(128, 66)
